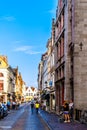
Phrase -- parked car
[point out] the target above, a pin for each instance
(5, 110)
(1, 112)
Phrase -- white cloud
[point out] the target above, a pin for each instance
(27, 50)
(8, 18)
(16, 42)
(51, 11)
(33, 52)
(23, 48)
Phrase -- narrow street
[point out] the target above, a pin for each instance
(23, 119)
(29, 121)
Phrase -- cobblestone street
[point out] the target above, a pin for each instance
(29, 121)
(23, 119)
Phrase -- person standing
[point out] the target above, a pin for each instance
(32, 107)
(71, 105)
(37, 105)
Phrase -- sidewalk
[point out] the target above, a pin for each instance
(53, 123)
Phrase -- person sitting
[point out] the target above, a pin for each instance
(66, 112)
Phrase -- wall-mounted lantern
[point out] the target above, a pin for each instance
(81, 45)
(46, 83)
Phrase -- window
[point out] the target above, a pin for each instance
(31, 94)
(62, 46)
(1, 84)
(26, 94)
(59, 50)
(1, 75)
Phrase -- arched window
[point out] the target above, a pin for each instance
(1, 75)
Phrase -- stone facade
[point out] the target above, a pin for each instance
(80, 54)
(75, 53)
(70, 49)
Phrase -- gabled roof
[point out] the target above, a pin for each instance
(3, 62)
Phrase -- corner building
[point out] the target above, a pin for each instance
(71, 54)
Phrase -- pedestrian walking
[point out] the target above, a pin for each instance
(8, 105)
(17, 105)
(32, 107)
(37, 105)
(13, 105)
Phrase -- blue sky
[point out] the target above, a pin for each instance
(25, 27)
